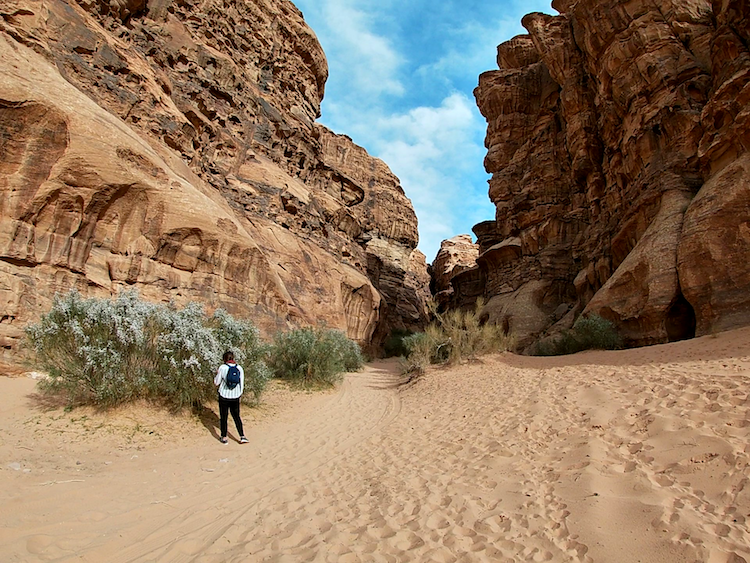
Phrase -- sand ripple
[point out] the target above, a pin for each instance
(638, 455)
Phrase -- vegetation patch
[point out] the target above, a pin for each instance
(453, 337)
(106, 352)
(395, 345)
(313, 356)
(588, 333)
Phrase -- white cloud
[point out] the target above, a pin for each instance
(401, 80)
(427, 134)
(348, 37)
(435, 153)
(472, 47)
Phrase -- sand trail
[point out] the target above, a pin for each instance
(164, 505)
(636, 455)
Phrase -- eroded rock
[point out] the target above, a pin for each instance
(617, 137)
(171, 147)
(456, 255)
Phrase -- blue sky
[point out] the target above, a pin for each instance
(401, 78)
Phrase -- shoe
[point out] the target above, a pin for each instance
(244, 440)
(224, 440)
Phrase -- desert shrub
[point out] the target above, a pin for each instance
(545, 347)
(88, 347)
(109, 351)
(588, 333)
(313, 356)
(467, 337)
(395, 344)
(187, 353)
(425, 348)
(243, 338)
(418, 349)
(452, 337)
(348, 350)
(596, 333)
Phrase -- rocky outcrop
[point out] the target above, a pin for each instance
(456, 256)
(172, 147)
(618, 136)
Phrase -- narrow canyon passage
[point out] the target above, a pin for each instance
(602, 456)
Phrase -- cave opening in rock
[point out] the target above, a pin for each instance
(680, 320)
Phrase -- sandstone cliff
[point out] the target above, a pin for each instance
(172, 147)
(456, 257)
(618, 142)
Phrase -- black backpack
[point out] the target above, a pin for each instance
(233, 376)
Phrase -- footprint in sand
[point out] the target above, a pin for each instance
(38, 544)
(92, 516)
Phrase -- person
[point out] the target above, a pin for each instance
(229, 398)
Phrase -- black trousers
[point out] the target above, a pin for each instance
(225, 407)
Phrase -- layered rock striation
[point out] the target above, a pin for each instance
(172, 147)
(618, 142)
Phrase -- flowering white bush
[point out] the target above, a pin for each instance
(108, 351)
(243, 338)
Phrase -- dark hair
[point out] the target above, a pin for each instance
(228, 356)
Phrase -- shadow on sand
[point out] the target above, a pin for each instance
(47, 402)
(209, 419)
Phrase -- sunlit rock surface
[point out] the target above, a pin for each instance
(456, 256)
(618, 136)
(172, 147)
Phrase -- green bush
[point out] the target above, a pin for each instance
(588, 333)
(596, 333)
(243, 338)
(425, 348)
(110, 351)
(453, 336)
(313, 356)
(395, 344)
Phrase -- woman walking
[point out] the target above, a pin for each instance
(230, 380)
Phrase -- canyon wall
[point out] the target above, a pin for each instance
(456, 259)
(618, 142)
(172, 147)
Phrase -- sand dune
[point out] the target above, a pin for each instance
(636, 455)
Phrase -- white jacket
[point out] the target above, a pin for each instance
(221, 382)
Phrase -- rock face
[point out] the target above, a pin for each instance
(172, 147)
(618, 142)
(455, 257)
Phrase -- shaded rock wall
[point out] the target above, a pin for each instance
(172, 147)
(618, 136)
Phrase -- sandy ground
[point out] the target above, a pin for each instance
(636, 455)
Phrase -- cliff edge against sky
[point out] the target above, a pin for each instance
(618, 142)
(172, 147)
